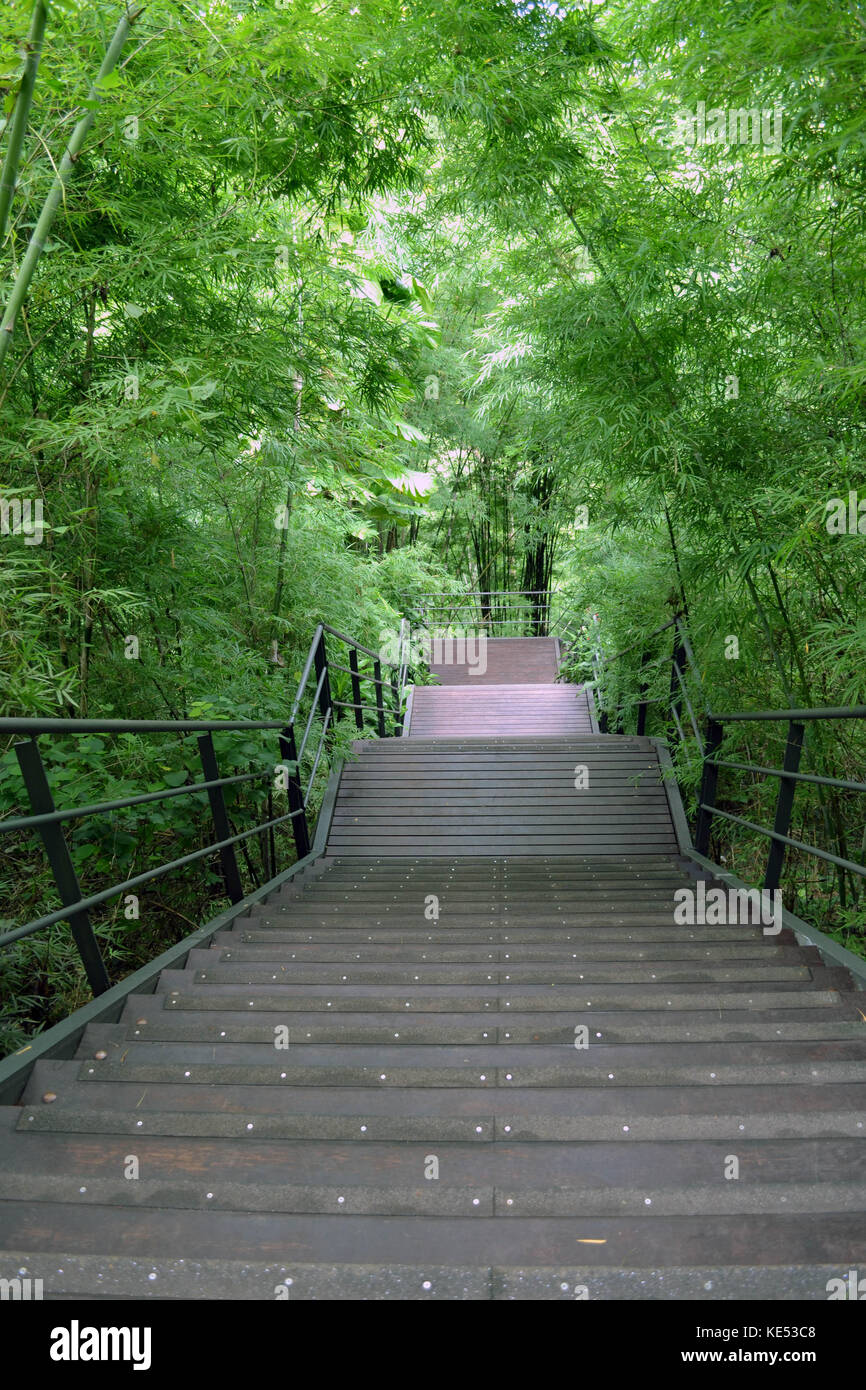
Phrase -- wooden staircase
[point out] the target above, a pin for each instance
(497, 796)
(504, 687)
(466, 1054)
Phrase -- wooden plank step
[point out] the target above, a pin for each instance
(610, 1060)
(372, 757)
(181, 991)
(345, 918)
(361, 1126)
(437, 1199)
(534, 1166)
(628, 743)
(345, 938)
(230, 947)
(587, 972)
(173, 1026)
(558, 1074)
(566, 1106)
(597, 905)
(501, 868)
(790, 1007)
(379, 879)
(382, 879)
(516, 845)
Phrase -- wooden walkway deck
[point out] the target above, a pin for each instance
(435, 1126)
(496, 661)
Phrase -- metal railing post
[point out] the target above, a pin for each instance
(380, 703)
(642, 694)
(356, 689)
(228, 858)
(289, 754)
(57, 850)
(709, 781)
(396, 696)
(320, 661)
(784, 804)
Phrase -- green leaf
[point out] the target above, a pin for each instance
(175, 779)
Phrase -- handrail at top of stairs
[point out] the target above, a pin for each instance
(496, 609)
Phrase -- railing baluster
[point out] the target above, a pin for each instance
(289, 754)
(398, 713)
(321, 665)
(784, 804)
(380, 703)
(41, 801)
(228, 858)
(356, 689)
(709, 781)
(272, 838)
(644, 691)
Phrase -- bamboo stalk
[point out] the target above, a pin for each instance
(19, 290)
(18, 122)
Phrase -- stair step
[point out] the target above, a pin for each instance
(482, 1059)
(533, 973)
(439, 1199)
(624, 1241)
(344, 939)
(365, 1126)
(567, 1106)
(182, 992)
(399, 1072)
(227, 947)
(193, 1027)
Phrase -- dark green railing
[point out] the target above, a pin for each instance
(683, 670)
(384, 702)
(496, 612)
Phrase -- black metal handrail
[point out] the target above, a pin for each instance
(526, 610)
(789, 775)
(683, 665)
(47, 820)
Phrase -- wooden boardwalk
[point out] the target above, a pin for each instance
(496, 661)
(467, 1054)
